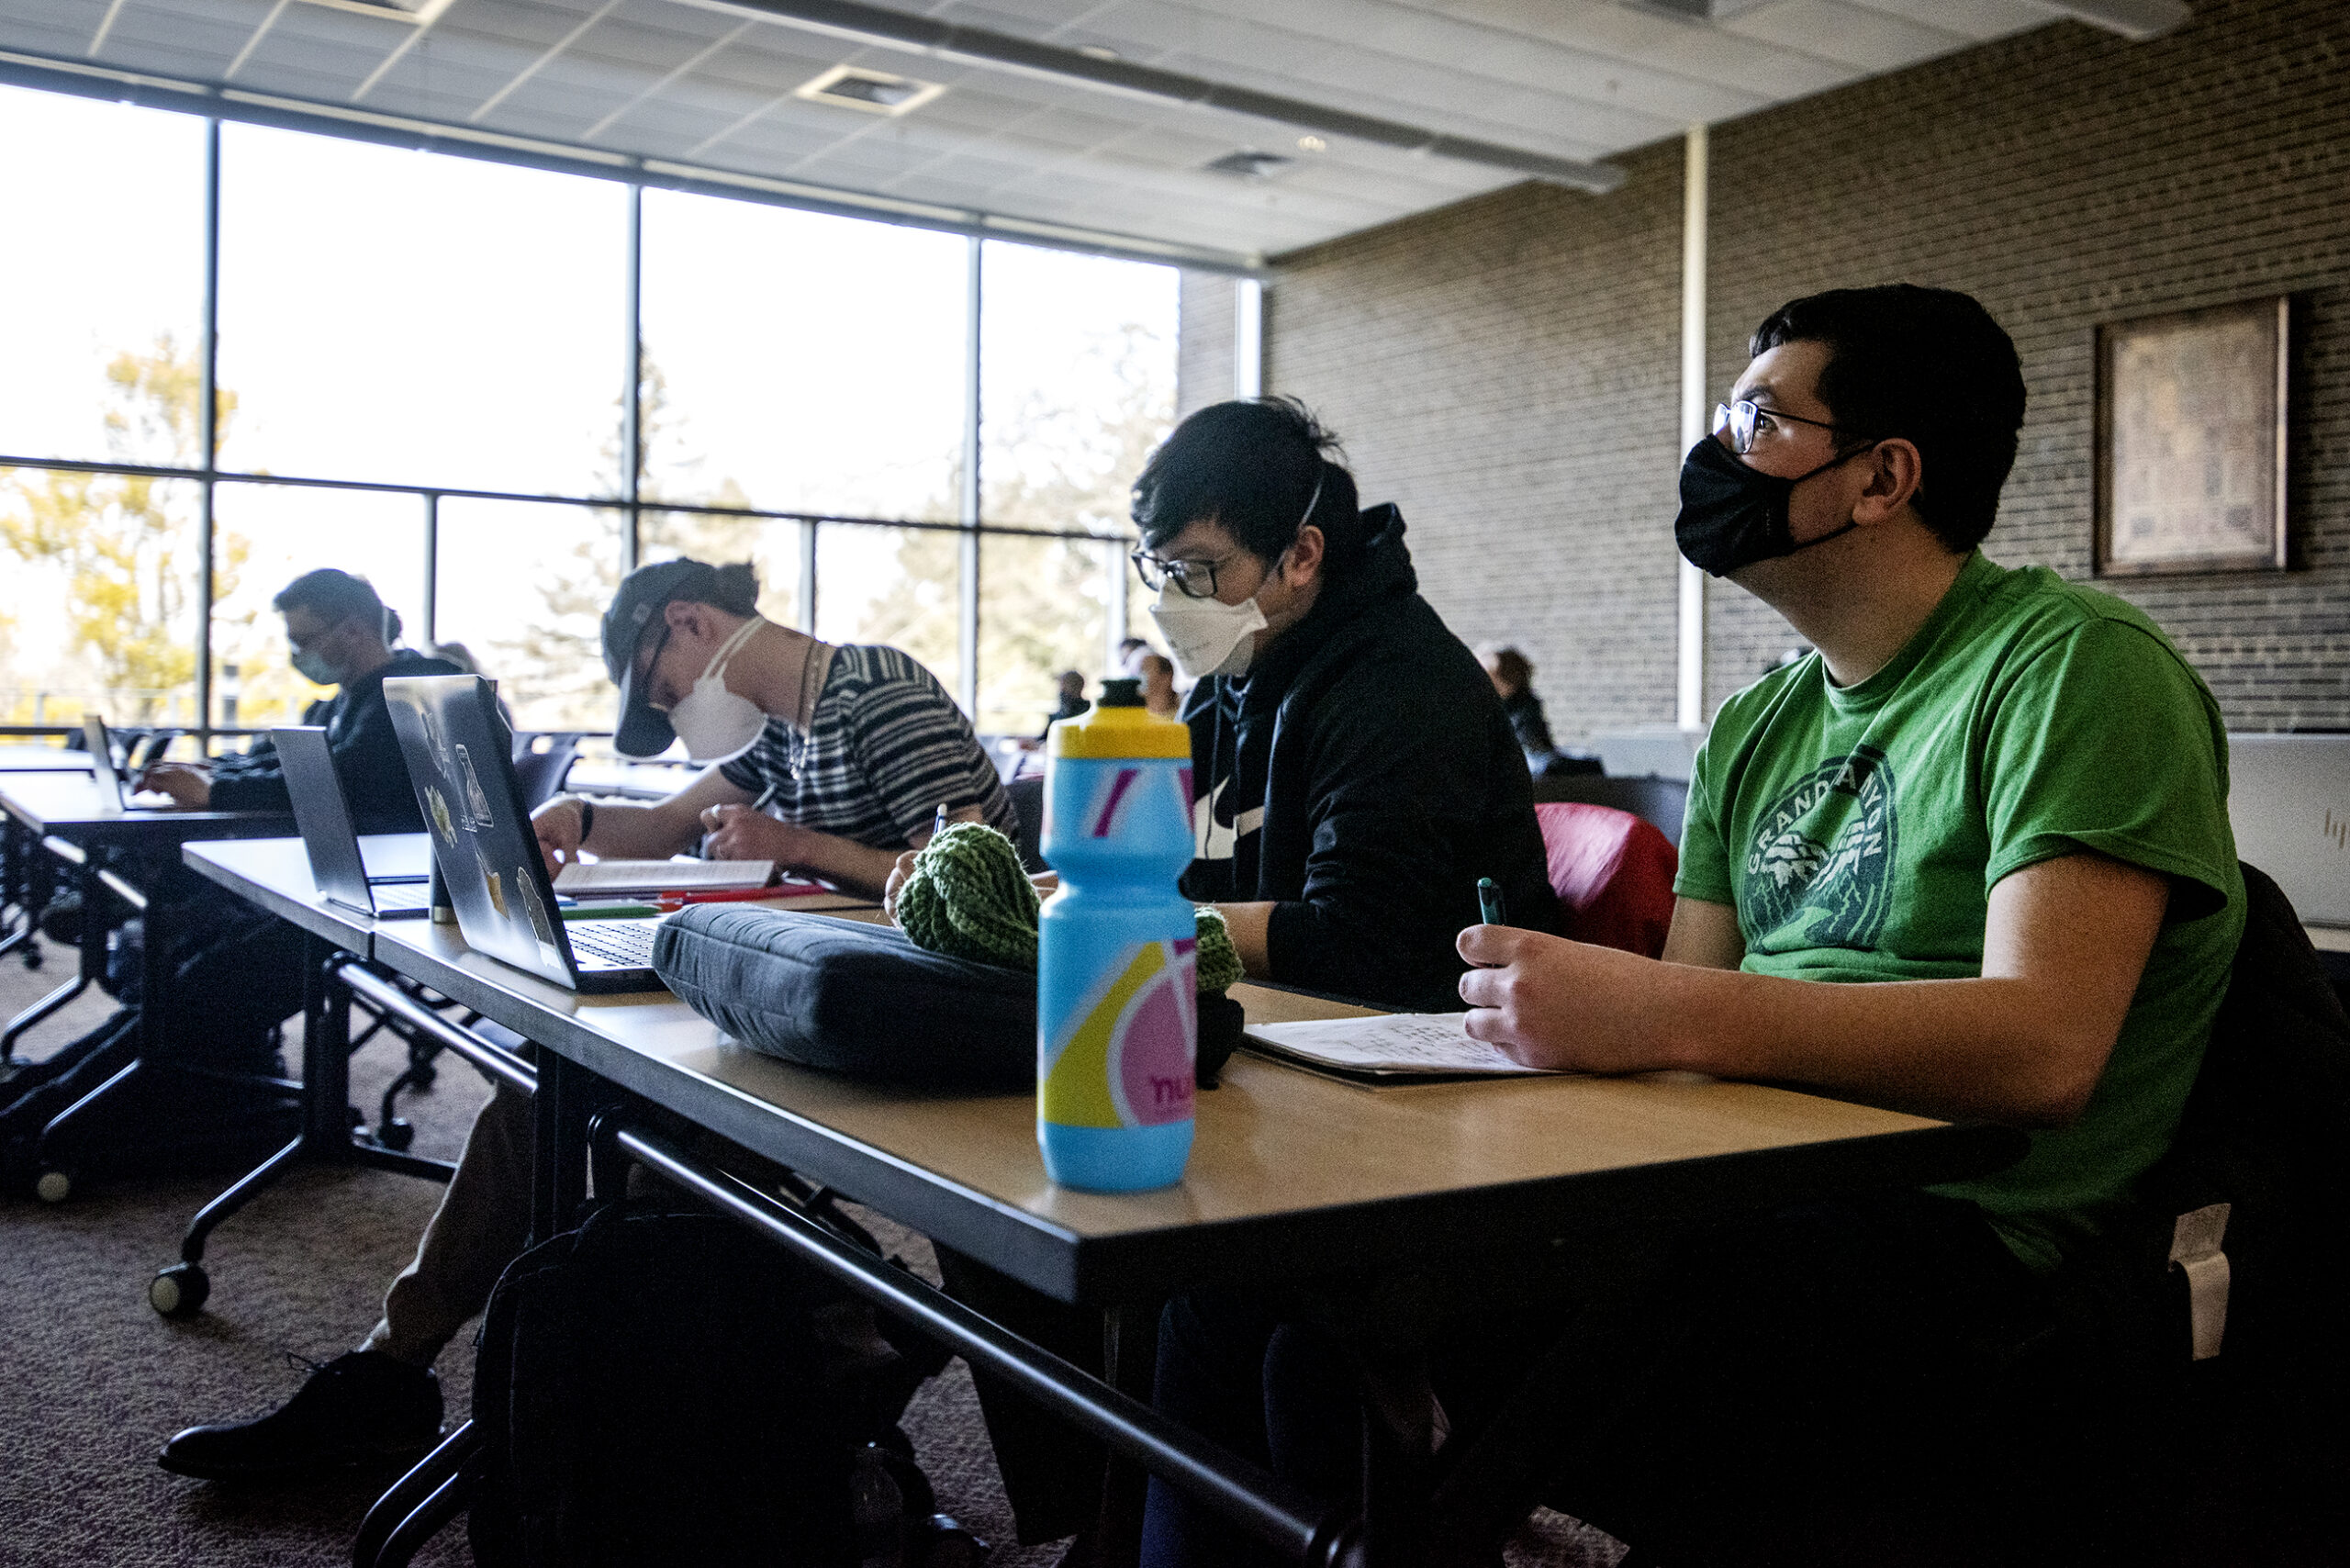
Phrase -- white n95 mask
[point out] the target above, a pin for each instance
(1207, 636)
(716, 725)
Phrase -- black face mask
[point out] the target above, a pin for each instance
(1733, 516)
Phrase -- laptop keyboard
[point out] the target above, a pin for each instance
(622, 943)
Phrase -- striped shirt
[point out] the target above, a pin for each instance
(883, 748)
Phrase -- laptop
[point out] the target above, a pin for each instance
(2288, 798)
(459, 760)
(338, 864)
(113, 795)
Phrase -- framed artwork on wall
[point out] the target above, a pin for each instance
(2191, 440)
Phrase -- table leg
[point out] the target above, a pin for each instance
(560, 1112)
(1129, 1364)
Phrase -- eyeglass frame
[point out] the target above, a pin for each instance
(1726, 418)
(1155, 572)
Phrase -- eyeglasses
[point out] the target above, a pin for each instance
(1192, 580)
(646, 673)
(1742, 418)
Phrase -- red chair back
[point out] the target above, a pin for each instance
(1613, 873)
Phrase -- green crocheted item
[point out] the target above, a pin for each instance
(969, 898)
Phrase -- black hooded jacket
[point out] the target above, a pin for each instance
(1361, 775)
(366, 756)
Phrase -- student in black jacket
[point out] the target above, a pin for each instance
(1353, 770)
(340, 633)
(237, 970)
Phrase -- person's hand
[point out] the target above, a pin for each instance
(899, 874)
(557, 825)
(738, 833)
(189, 788)
(1550, 1002)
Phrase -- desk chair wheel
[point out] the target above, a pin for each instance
(33, 958)
(179, 1291)
(395, 1134)
(352, 1117)
(53, 1186)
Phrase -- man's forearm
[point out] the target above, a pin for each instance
(2001, 1048)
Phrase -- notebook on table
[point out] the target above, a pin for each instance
(1387, 1047)
(459, 760)
(666, 877)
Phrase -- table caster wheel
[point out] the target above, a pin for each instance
(54, 1187)
(395, 1134)
(32, 957)
(422, 1074)
(352, 1118)
(180, 1290)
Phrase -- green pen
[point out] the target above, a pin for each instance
(1488, 902)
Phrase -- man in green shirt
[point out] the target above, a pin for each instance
(1996, 801)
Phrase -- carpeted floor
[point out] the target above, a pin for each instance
(92, 1381)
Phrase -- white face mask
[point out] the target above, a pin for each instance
(714, 722)
(1207, 636)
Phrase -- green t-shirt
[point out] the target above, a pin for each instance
(1858, 832)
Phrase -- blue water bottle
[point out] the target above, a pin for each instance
(1117, 1003)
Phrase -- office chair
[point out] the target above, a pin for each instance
(1028, 800)
(541, 760)
(1613, 872)
(1663, 801)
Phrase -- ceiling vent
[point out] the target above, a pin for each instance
(1250, 165)
(868, 92)
(416, 12)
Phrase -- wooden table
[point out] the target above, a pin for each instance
(1294, 1177)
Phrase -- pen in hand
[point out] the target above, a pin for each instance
(938, 823)
(767, 798)
(1488, 902)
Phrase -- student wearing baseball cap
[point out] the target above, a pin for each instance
(857, 746)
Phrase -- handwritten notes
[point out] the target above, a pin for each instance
(1399, 1045)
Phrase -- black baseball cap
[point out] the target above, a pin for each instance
(644, 594)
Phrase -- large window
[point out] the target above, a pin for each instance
(421, 367)
(802, 362)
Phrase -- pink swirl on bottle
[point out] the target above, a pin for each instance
(1155, 1071)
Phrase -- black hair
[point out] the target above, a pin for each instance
(1930, 365)
(334, 597)
(1252, 466)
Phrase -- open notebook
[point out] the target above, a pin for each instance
(1387, 1047)
(663, 876)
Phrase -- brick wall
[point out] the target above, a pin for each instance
(1203, 342)
(1508, 369)
(1505, 371)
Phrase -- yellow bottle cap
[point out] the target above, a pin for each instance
(1119, 726)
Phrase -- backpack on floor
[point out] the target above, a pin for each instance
(664, 1388)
